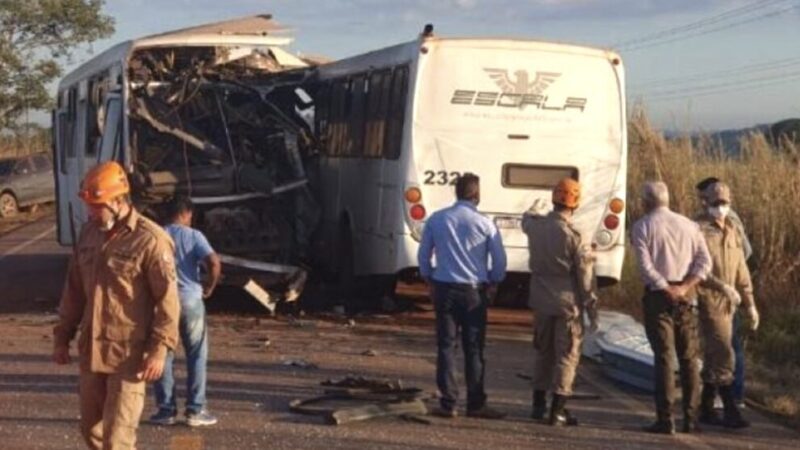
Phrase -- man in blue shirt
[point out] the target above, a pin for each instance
(463, 241)
(191, 250)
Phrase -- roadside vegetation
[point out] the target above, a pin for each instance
(19, 143)
(765, 180)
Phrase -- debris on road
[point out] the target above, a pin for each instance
(369, 353)
(355, 399)
(301, 363)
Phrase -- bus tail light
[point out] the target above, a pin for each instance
(616, 206)
(611, 222)
(417, 212)
(413, 195)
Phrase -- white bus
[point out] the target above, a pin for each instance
(399, 125)
(193, 112)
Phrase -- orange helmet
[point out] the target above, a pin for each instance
(103, 183)
(567, 193)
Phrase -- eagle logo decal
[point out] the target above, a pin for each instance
(522, 84)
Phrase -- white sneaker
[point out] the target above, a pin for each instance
(200, 419)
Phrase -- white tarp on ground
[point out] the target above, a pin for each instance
(621, 345)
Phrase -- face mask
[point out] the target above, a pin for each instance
(109, 224)
(719, 212)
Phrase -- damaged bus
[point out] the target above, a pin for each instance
(204, 112)
(398, 126)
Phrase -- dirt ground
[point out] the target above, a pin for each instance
(251, 384)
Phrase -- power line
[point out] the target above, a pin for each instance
(701, 88)
(701, 27)
(744, 85)
(724, 73)
(757, 18)
(701, 23)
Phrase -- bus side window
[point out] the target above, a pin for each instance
(322, 104)
(95, 113)
(397, 109)
(377, 108)
(355, 141)
(337, 118)
(92, 128)
(72, 120)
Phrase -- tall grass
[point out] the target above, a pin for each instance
(765, 181)
(19, 144)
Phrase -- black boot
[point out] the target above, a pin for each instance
(539, 405)
(559, 415)
(732, 418)
(708, 414)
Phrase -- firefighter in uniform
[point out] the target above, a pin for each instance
(561, 290)
(727, 287)
(121, 294)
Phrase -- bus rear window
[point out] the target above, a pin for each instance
(538, 177)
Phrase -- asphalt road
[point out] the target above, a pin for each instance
(250, 383)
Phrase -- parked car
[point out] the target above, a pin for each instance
(25, 181)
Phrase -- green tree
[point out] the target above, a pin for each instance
(36, 38)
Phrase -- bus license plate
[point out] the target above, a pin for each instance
(505, 222)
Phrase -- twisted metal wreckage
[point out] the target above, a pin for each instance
(229, 127)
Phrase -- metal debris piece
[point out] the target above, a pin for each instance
(301, 363)
(261, 295)
(295, 287)
(369, 352)
(353, 399)
(339, 415)
(372, 384)
(416, 419)
(142, 111)
(258, 265)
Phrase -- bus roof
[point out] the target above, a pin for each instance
(408, 50)
(523, 44)
(256, 30)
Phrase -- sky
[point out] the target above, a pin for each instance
(692, 64)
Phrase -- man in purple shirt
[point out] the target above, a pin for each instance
(672, 259)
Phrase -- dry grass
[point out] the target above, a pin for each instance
(12, 145)
(765, 181)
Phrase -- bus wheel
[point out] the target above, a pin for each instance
(8, 205)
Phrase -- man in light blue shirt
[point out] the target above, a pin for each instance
(191, 250)
(464, 242)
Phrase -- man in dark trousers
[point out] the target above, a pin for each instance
(470, 260)
(672, 258)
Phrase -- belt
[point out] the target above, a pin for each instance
(462, 285)
(671, 283)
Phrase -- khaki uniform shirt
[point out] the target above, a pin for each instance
(728, 261)
(122, 295)
(561, 280)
